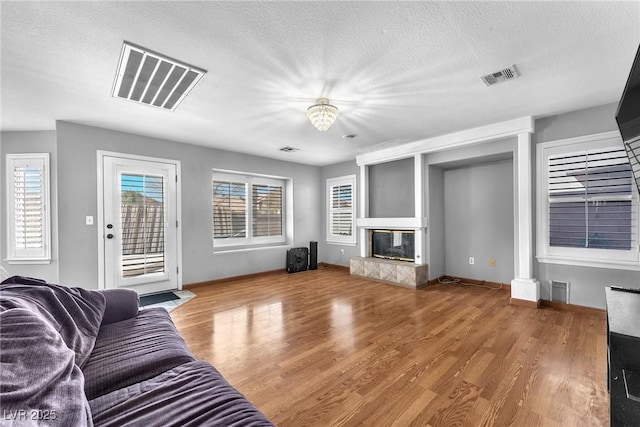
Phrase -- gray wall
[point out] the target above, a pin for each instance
(29, 142)
(330, 252)
(77, 166)
(391, 189)
(587, 283)
(478, 211)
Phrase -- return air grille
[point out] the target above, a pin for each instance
(500, 76)
(560, 291)
(149, 78)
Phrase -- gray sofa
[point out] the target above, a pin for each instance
(77, 357)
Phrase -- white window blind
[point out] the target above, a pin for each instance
(341, 213)
(247, 210)
(28, 207)
(590, 200)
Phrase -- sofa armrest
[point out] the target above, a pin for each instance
(122, 304)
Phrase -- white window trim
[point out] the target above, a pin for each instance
(599, 258)
(332, 182)
(251, 242)
(43, 255)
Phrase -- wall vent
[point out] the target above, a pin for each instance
(289, 149)
(559, 291)
(501, 76)
(153, 79)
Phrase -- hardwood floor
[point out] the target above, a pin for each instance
(322, 348)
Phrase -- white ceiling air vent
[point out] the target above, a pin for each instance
(500, 76)
(149, 78)
(289, 149)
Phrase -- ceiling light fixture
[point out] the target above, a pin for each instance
(322, 114)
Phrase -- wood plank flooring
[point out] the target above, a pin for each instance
(322, 348)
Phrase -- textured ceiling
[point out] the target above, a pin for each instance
(397, 71)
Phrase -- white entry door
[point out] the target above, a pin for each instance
(139, 224)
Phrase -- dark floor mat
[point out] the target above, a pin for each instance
(157, 298)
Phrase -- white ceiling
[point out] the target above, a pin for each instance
(397, 71)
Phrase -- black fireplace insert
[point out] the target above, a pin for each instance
(393, 244)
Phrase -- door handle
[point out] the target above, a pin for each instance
(109, 236)
(109, 226)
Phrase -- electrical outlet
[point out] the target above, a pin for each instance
(472, 260)
(88, 220)
(341, 251)
(492, 262)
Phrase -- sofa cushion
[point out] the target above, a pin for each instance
(134, 350)
(75, 313)
(121, 304)
(192, 394)
(39, 382)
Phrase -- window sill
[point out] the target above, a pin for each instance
(245, 248)
(337, 242)
(33, 261)
(585, 262)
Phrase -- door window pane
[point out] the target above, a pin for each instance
(143, 224)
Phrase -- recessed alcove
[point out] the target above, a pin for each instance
(508, 145)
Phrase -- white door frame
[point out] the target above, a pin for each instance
(100, 220)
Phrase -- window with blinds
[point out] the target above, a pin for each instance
(587, 204)
(247, 210)
(28, 207)
(341, 212)
(590, 200)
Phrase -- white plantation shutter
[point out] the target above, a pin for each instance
(590, 200)
(341, 212)
(341, 203)
(28, 207)
(267, 210)
(229, 210)
(142, 210)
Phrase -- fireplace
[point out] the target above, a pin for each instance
(393, 244)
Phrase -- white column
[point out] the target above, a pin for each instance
(419, 184)
(524, 286)
(364, 209)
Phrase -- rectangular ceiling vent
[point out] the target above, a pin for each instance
(500, 76)
(149, 78)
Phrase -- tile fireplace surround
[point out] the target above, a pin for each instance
(400, 273)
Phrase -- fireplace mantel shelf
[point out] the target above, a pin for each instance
(412, 223)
